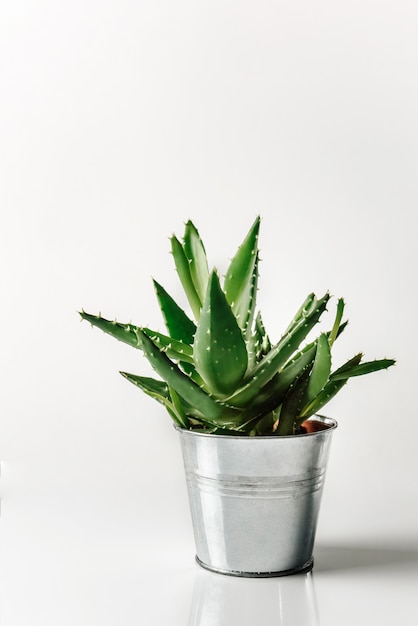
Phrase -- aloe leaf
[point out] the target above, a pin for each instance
(184, 413)
(314, 343)
(265, 425)
(241, 278)
(253, 349)
(178, 407)
(355, 360)
(174, 349)
(321, 367)
(178, 324)
(127, 333)
(336, 381)
(196, 255)
(303, 310)
(341, 328)
(258, 342)
(367, 367)
(335, 331)
(220, 353)
(293, 404)
(278, 356)
(245, 315)
(329, 391)
(214, 411)
(155, 389)
(272, 395)
(263, 341)
(183, 271)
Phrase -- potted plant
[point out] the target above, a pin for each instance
(255, 448)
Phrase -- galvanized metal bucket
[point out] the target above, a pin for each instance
(255, 500)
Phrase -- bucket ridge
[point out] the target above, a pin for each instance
(258, 486)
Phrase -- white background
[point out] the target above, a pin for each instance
(121, 120)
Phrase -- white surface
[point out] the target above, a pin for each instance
(118, 121)
(70, 559)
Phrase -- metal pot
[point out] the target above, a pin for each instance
(255, 500)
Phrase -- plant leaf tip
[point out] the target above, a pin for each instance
(220, 372)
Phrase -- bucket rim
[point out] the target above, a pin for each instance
(330, 423)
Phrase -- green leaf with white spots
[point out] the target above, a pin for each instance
(293, 404)
(183, 271)
(221, 374)
(220, 353)
(272, 395)
(241, 279)
(127, 333)
(336, 329)
(175, 349)
(178, 324)
(321, 367)
(276, 359)
(155, 389)
(328, 392)
(360, 369)
(302, 312)
(195, 253)
(214, 411)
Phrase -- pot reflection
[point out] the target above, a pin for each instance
(229, 601)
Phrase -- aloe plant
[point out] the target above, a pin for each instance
(218, 370)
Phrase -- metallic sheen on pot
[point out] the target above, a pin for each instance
(255, 500)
